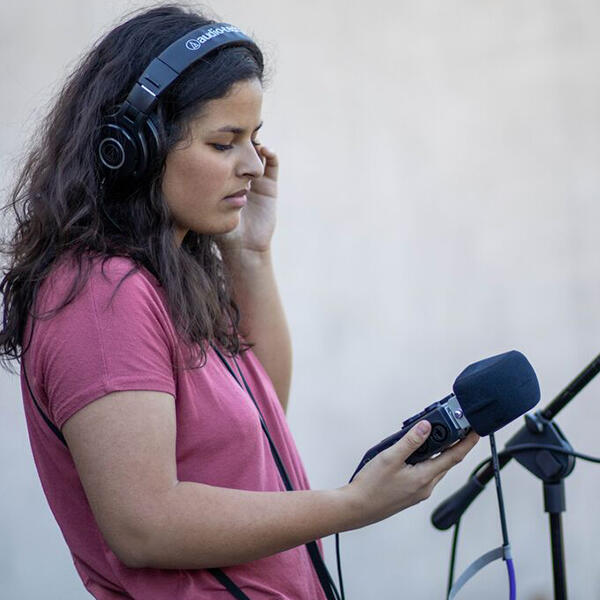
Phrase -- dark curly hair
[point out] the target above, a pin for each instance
(62, 205)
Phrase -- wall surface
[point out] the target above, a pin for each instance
(438, 204)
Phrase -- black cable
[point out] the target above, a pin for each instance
(339, 565)
(499, 490)
(523, 447)
(452, 558)
(315, 555)
(323, 574)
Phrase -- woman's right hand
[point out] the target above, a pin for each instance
(387, 484)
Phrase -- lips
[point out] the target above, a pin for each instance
(239, 193)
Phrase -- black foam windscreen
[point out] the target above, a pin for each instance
(495, 391)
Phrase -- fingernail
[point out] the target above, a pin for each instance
(423, 427)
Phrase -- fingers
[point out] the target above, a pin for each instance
(438, 478)
(428, 489)
(270, 161)
(452, 456)
(415, 437)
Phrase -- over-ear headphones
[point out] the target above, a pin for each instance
(129, 138)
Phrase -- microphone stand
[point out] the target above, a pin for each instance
(550, 467)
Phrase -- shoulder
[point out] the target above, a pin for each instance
(110, 269)
(98, 277)
(108, 298)
(98, 291)
(114, 334)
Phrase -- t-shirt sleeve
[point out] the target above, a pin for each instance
(110, 338)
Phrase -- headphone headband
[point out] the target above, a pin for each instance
(179, 56)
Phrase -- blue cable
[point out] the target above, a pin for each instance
(512, 580)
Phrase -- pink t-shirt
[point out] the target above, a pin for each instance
(93, 347)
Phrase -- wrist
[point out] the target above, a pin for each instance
(351, 508)
(245, 257)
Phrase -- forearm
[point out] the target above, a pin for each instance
(262, 316)
(198, 526)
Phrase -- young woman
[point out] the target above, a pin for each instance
(155, 357)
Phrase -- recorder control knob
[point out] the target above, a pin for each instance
(439, 432)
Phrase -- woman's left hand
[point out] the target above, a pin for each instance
(257, 221)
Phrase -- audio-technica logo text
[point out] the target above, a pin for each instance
(196, 43)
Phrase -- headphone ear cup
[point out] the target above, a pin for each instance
(125, 154)
(152, 139)
(148, 144)
(118, 151)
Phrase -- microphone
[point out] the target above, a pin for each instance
(487, 395)
(497, 390)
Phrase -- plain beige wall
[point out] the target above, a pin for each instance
(438, 204)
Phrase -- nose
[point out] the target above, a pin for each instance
(251, 162)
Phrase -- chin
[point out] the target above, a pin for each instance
(233, 225)
(226, 226)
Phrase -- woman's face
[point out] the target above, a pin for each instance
(217, 160)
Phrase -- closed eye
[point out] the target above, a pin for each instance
(224, 147)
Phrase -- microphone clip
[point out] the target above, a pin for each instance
(545, 464)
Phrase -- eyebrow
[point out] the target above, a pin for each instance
(237, 130)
